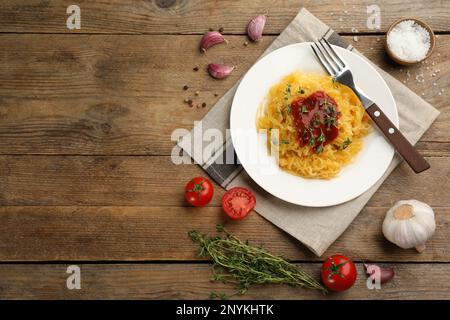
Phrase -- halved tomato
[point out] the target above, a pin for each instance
(238, 202)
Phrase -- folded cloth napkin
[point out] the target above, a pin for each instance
(316, 228)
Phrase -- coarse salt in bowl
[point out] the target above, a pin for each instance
(409, 41)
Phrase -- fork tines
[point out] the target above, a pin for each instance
(328, 57)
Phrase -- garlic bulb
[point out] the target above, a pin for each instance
(409, 224)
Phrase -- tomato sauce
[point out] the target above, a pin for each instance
(316, 119)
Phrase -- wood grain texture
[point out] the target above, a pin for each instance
(184, 16)
(191, 281)
(156, 181)
(85, 124)
(160, 234)
(115, 95)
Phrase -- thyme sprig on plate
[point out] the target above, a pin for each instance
(238, 262)
(287, 92)
(344, 145)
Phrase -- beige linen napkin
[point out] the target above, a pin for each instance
(316, 228)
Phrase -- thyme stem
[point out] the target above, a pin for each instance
(244, 265)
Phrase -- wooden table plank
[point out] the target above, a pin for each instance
(191, 281)
(183, 16)
(123, 94)
(160, 234)
(156, 181)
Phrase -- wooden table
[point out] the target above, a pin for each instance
(86, 176)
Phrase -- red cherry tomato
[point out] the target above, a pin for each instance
(199, 191)
(338, 273)
(238, 202)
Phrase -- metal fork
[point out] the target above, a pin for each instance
(338, 69)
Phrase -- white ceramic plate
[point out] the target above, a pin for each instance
(355, 178)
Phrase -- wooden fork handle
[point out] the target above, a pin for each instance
(400, 143)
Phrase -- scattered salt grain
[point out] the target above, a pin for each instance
(440, 93)
(409, 41)
(332, 14)
(355, 38)
(420, 78)
(434, 84)
(340, 19)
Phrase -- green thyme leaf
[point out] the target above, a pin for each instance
(347, 142)
(322, 137)
(330, 121)
(344, 145)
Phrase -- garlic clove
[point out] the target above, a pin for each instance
(219, 71)
(255, 27)
(409, 224)
(210, 39)
(386, 273)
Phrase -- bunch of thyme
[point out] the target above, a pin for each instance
(244, 265)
